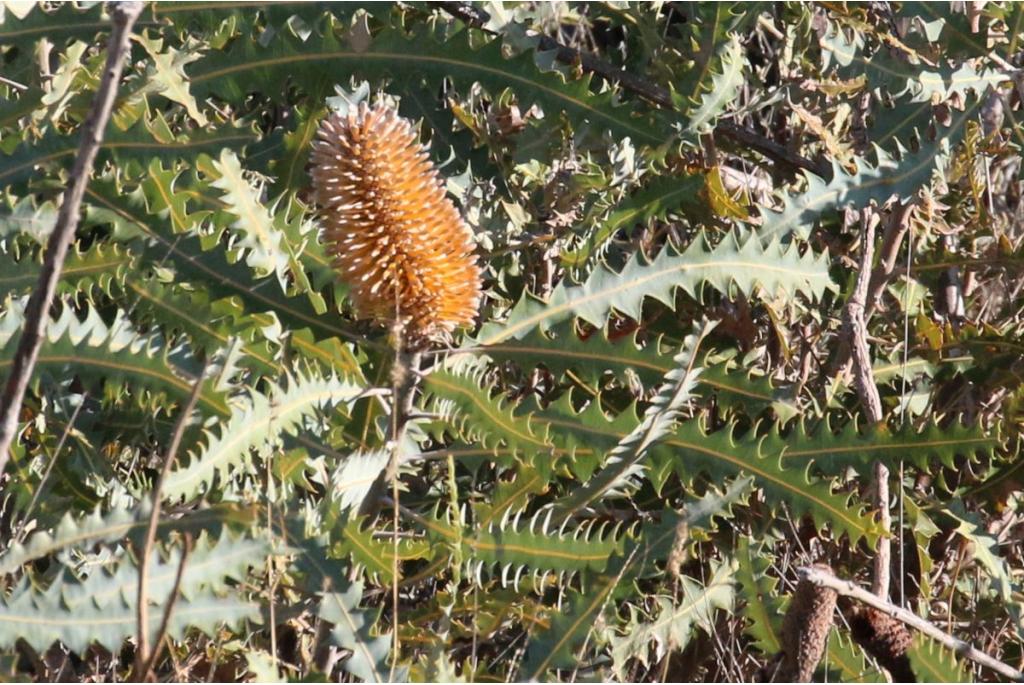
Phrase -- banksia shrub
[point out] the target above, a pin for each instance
(396, 238)
(804, 631)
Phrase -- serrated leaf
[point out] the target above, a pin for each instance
(722, 87)
(101, 608)
(876, 182)
(248, 66)
(623, 461)
(118, 524)
(748, 266)
(135, 143)
(933, 663)
(261, 420)
(112, 355)
(674, 620)
(762, 604)
(353, 631)
(166, 75)
(471, 411)
(210, 267)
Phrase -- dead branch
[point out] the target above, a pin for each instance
(37, 310)
(864, 380)
(146, 670)
(856, 327)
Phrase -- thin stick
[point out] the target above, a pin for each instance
(142, 609)
(165, 620)
(855, 324)
(883, 553)
(13, 84)
(24, 362)
(823, 578)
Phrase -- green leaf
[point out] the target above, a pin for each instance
(209, 266)
(322, 58)
(113, 356)
(561, 349)
(118, 524)
(353, 630)
(722, 88)
(120, 146)
(674, 619)
(933, 663)
(762, 604)
(470, 410)
(102, 608)
(846, 662)
(748, 266)
(376, 554)
(557, 646)
(83, 270)
(833, 452)
(888, 176)
(658, 197)
(165, 75)
(261, 420)
(623, 461)
(690, 450)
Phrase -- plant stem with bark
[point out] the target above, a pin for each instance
(37, 311)
(823, 578)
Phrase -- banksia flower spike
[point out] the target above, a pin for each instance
(396, 238)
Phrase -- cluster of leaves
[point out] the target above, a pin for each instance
(616, 473)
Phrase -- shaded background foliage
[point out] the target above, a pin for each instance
(597, 482)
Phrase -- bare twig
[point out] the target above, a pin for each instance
(476, 17)
(124, 16)
(855, 325)
(161, 631)
(883, 553)
(895, 230)
(142, 652)
(13, 84)
(864, 380)
(823, 578)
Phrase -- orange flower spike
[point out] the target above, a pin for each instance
(395, 236)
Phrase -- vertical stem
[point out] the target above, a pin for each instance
(142, 652)
(883, 553)
(404, 379)
(456, 519)
(864, 381)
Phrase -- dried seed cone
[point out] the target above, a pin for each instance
(395, 237)
(884, 638)
(804, 631)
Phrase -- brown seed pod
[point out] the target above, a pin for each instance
(884, 638)
(396, 238)
(805, 629)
